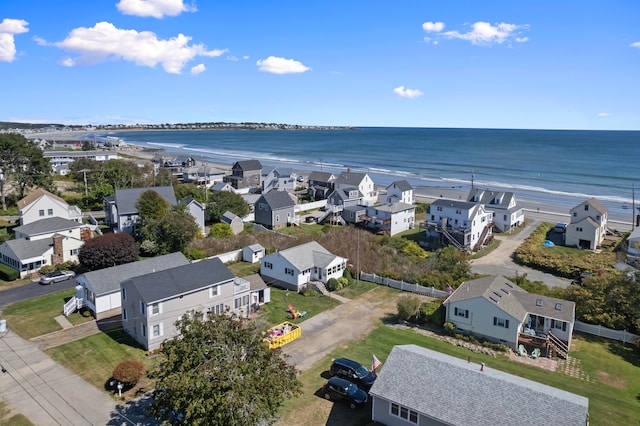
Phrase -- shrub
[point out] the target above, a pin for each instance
(408, 307)
(149, 248)
(433, 312)
(8, 274)
(129, 372)
(333, 284)
(449, 327)
(193, 253)
(343, 282)
(46, 269)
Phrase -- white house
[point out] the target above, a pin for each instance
(464, 224)
(418, 386)
(362, 182)
(399, 191)
(507, 214)
(498, 310)
(296, 267)
(41, 204)
(101, 288)
(588, 225)
(391, 218)
(51, 241)
(61, 159)
(633, 247)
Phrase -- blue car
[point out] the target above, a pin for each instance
(337, 389)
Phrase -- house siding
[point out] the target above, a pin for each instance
(480, 321)
(381, 413)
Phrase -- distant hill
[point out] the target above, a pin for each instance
(12, 125)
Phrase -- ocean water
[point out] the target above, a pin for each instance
(560, 166)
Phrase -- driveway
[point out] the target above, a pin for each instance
(31, 290)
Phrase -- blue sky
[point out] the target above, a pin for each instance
(543, 64)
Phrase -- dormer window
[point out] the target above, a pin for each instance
(539, 302)
(558, 306)
(586, 207)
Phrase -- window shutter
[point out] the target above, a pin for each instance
(495, 321)
(455, 311)
(466, 313)
(506, 324)
(564, 326)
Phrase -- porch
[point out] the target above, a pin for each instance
(550, 345)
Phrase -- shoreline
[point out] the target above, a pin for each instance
(553, 206)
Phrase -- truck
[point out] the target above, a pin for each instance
(281, 334)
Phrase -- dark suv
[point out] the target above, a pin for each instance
(338, 389)
(353, 371)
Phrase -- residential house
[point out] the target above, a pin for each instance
(633, 247)
(399, 191)
(354, 214)
(588, 225)
(260, 292)
(197, 210)
(121, 212)
(278, 178)
(202, 175)
(152, 303)
(236, 224)
(41, 204)
(464, 224)
(51, 241)
(222, 186)
(341, 198)
(498, 310)
(362, 182)
(276, 210)
(253, 253)
(390, 219)
(101, 289)
(296, 267)
(245, 175)
(320, 185)
(507, 214)
(61, 160)
(420, 386)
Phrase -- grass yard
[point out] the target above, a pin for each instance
(9, 418)
(277, 312)
(94, 358)
(613, 387)
(356, 289)
(243, 269)
(313, 230)
(35, 317)
(6, 285)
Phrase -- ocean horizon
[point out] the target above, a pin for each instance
(558, 166)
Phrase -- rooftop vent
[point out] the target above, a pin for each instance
(558, 306)
(539, 303)
(491, 297)
(508, 284)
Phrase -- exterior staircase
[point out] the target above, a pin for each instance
(483, 237)
(557, 345)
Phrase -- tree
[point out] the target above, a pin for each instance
(129, 372)
(121, 173)
(184, 190)
(108, 250)
(223, 201)
(151, 206)
(173, 232)
(21, 165)
(221, 230)
(220, 372)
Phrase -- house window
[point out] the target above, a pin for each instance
(74, 252)
(458, 211)
(50, 212)
(504, 217)
(268, 265)
(124, 314)
(575, 214)
(155, 309)
(586, 207)
(598, 217)
(558, 306)
(539, 302)
(461, 312)
(237, 302)
(41, 213)
(288, 271)
(439, 208)
(213, 291)
(143, 328)
(559, 325)
(404, 413)
(579, 229)
(124, 294)
(156, 330)
(217, 309)
(142, 308)
(277, 218)
(500, 322)
(245, 300)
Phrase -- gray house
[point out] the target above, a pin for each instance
(152, 303)
(101, 289)
(245, 174)
(422, 387)
(275, 210)
(120, 210)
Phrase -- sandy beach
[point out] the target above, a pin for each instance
(538, 210)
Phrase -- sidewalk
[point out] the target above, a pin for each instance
(76, 332)
(44, 391)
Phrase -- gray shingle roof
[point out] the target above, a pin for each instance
(247, 165)
(402, 185)
(308, 255)
(455, 392)
(180, 280)
(105, 281)
(321, 176)
(47, 226)
(278, 199)
(126, 198)
(350, 178)
(512, 299)
(394, 208)
(491, 198)
(26, 249)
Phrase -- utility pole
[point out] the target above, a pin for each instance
(633, 207)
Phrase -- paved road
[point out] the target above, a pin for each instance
(31, 290)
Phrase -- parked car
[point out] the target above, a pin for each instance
(57, 276)
(353, 372)
(560, 228)
(337, 389)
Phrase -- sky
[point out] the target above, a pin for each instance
(530, 64)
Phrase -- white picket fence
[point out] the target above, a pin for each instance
(598, 330)
(404, 286)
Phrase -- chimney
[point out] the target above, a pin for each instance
(58, 251)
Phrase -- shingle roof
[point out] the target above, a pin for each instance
(308, 255)
(180, 280)
(49, 225)
(108, 280)
(321, 176)
(227, 217)
(34, 195)
(394, 208)
(350, 178)
(26, 249)
(455, 392)
(489, 198)
(593, 202)
(126, 198)
(402, 185)
(512, 299)
(256, 282)
(278, 199)
(249, 165)
(462, 205)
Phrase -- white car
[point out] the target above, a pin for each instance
(57, 276)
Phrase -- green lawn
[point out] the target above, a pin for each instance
(35, 317)
(94, 358)
(613, 391)
(243, 269)
(277, 312)
(356, 289)
(12, 420)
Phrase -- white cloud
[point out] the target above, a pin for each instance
(105, 41)
(198, 69)
(245, 57)
(232, 58)
(636, 44)
(483, 33)
(66, 62)
(276, 65)
(603, 114)
(433, 27)
(407, 93)
(154, 8)
(8, 28)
